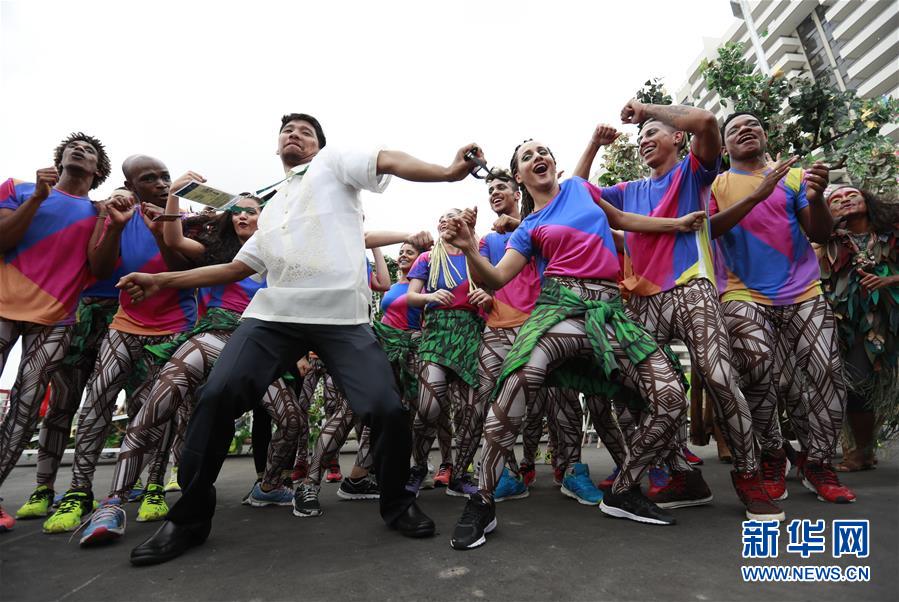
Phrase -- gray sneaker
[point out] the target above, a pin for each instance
(305, 501)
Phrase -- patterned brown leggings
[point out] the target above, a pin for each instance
(810, 374)
(653, 378)
(691, 313)
(43, 349)
(178, 380)
(334, 434)
(556, 405)
(120, 354)
(753, 340)
(438, 391)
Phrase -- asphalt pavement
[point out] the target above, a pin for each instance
(547, 547)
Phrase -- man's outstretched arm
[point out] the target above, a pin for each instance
(407, 167)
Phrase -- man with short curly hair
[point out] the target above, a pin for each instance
(45, 228)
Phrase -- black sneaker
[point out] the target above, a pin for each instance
(358, 489)
(634, 505)
(478, 519)
(305, 501)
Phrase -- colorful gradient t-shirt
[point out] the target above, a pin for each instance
(168, 311)
(766, 257)
(513, 303)
(42, 277)
(234, 296)
(662, 261)
(421, 270)
(570, 236)
(396, 309)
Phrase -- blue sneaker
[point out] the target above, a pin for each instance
(137, 492)
(577, 485)
(279, 496)
(106, 524)
(510, 488)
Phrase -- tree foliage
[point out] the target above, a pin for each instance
(810, 118)
(802, 117)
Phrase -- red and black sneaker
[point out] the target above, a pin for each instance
(558, 475)
(820, 478)
(606, 483)
(334, 475)
(443, 476)
(800, 463)
(774, 467)
(528, 473)
(752, 492)
(692, 458)
(684, 488)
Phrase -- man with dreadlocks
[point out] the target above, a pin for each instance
(439, 282)
(45, 228)
(132, 238)
(672, 286)
(309, 245)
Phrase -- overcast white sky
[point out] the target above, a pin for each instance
(203, 87)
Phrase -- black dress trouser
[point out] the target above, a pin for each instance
(257, 353)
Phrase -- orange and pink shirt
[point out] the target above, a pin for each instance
(42, 277)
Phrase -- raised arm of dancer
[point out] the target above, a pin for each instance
(632, 222)
(140, 286)
(706, 143)
(723, 221)
(172, 231)
(407, 167)
(459, 234)
(603, 134)
(380, 279)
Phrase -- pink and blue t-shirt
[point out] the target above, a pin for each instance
(396, 309)
(42, 277)
(421, 270)
(662, 261)
(570, 236)
(234, 296)
(766, 258)
(168, 311)
(513, 303)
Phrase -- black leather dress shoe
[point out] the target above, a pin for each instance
(414, 523)
(169, 542)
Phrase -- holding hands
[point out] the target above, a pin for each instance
(692, 222)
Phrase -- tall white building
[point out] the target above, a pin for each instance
(853, 44)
